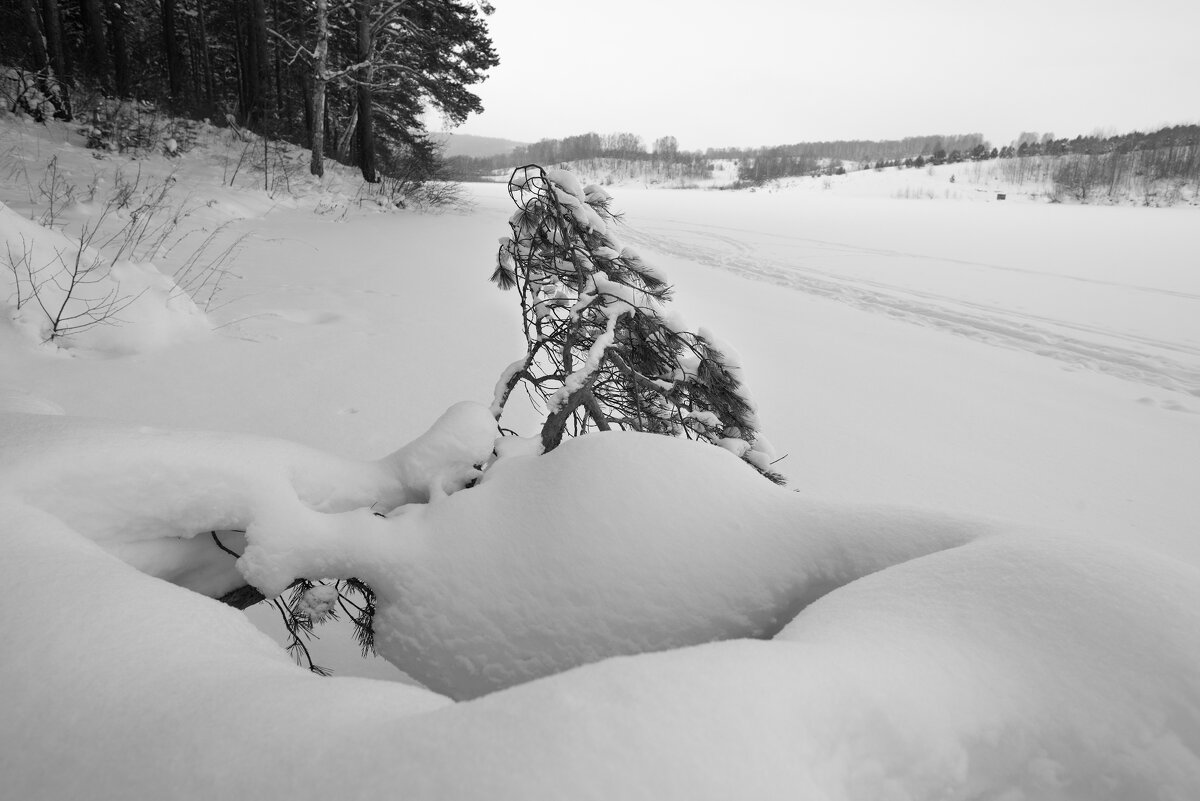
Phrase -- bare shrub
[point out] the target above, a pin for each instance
(416, 176)
(56, 191)
(138, 127)
(75, 289)
(68, 289)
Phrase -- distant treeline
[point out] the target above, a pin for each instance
(626, 146)
(796, 159)
(1097, 163)
(757, 164)
(859, 150)
(606, 171)
(1156, 167)
(1031, 144)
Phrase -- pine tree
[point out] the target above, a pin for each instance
(603, 352)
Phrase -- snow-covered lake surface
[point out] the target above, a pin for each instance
(1019, 359)
(996, 401)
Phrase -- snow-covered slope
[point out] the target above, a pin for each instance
(926, 365)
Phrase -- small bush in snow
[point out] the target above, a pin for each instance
(603, 351)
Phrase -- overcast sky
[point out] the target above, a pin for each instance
(759, 72)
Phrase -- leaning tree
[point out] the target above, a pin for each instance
(602, 349)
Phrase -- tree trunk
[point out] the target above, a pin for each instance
(247, 75)
(242, 598)
(206, 69)
(195, 88)
(171, 48)
(94, 21)
(52, 24)
(366, 133)
(261, 63)
(348, 136)
(116, 25)
(304, 81)
(320, 61)
(45, 72)
(33, 26)
(282, 99)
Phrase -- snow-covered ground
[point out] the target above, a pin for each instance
(1018, 359)
(994, 404)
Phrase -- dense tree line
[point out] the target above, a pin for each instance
(863, 151)
(583, 146)
(1154, 166)
(1177, 137)
(348, 78)
(590, 147)
(768, 164)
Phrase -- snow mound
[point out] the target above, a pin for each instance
(1012, 667)
(151, 496)
(613, 544)
(1043, 667)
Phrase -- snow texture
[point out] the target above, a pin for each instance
(968, 664)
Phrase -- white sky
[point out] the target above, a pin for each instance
(760, 72)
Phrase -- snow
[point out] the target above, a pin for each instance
(884, 339)
(446, 458)
(578, 379)
(481, 590)
(1050, 703)
(1021, 666)
(941, 373)
(317, 602)
(568, 181)
(152, 311)
(144, 493)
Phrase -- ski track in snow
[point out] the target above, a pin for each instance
(1150, 361)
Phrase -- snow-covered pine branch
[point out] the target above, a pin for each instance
(603, 351)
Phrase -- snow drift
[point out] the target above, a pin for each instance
(613, 544)
(967, 666)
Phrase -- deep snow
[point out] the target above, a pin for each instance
(927, 364)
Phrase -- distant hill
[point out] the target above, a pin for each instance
(476, 146)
